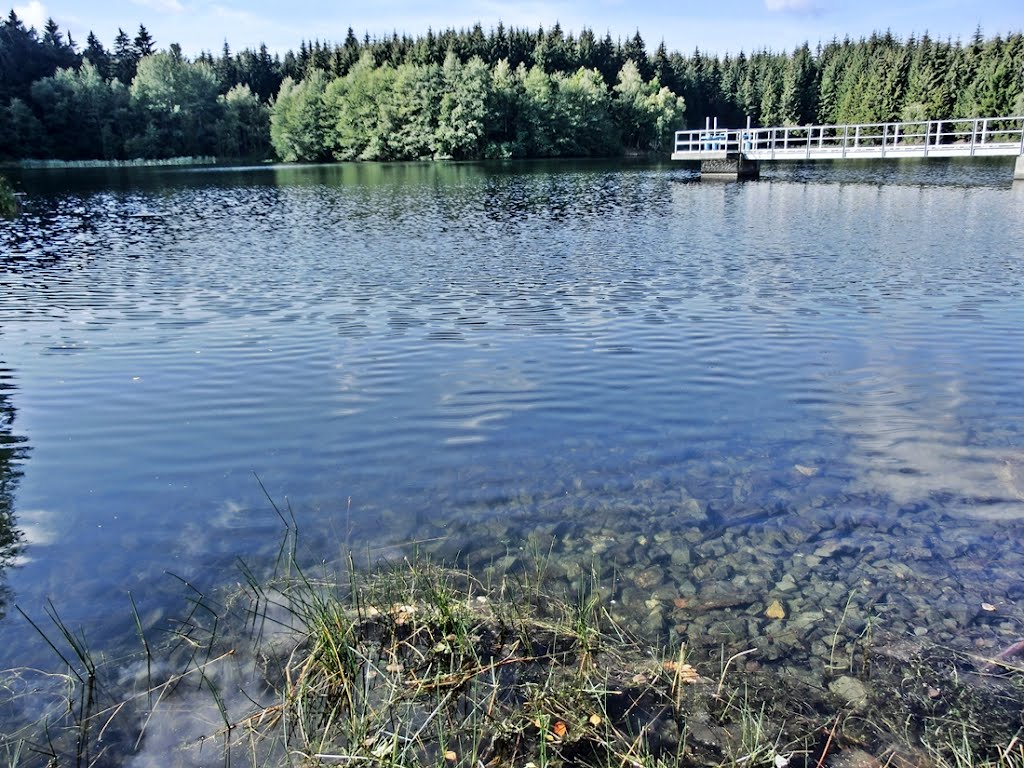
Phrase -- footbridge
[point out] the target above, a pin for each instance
(737, 153)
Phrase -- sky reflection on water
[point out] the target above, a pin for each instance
(411, 352)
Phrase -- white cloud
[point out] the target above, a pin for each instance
(33, 15)
(164, 6)
(245, 17)
(791, 6)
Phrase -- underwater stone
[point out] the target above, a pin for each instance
(665, 592)
(854, 621)
(1015, 591)
(723, 572)
(851, 690)
(808, 619)
(692, 510)
(681, 555)
(962, 613)
(786, 583)
(649, 578)
(654, 624)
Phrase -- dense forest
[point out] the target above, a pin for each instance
(464, 93)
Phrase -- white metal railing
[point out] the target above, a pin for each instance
(971, 136)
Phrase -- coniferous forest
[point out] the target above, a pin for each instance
(464, 94)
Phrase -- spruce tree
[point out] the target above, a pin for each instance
(97, 55)
(144, 44)
(126, 58)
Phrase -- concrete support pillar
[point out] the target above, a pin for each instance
(1018, 169)
(729, 168)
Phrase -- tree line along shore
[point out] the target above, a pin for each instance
(465, 94)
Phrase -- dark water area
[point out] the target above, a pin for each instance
(804, 390)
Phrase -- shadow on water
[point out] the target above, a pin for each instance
(12, 452)
(940, 172)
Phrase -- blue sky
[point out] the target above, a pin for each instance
(713, 25)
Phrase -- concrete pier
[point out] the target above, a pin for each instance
(1018, 169)
(732, 167)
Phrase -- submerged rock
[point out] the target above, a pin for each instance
(851, 690)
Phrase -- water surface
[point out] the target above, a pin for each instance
(813, 379)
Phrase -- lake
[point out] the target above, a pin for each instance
(803, 391)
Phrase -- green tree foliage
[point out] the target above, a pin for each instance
(97, 55)
(507, 127)
(299, 120)
(126, 58)
(582, 115)
(462, 117)
(82, 113)
(176, 102)
(770, 108)
(243, 129)
(537, 102)
(23, 134)
(503, 92)
(647, 112)
(24, 58)
(143, 43)
(362, 112)
(416, 111)
(799, 89)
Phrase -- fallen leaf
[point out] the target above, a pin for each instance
(394, 668)
(559, 729)
(775, 610)
(684, 672)
(450, 756)
(595, 719)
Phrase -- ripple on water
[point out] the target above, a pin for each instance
(483, 354)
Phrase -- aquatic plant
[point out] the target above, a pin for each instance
(8, 202)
